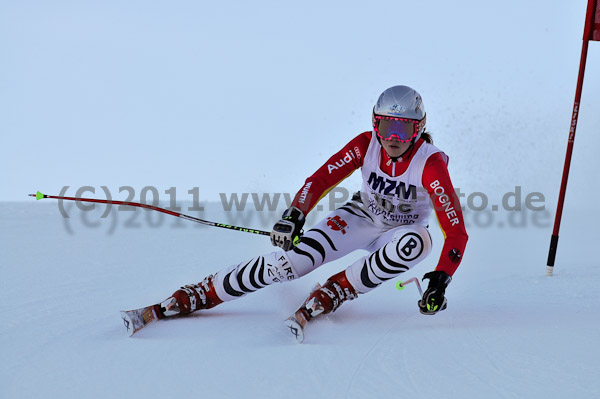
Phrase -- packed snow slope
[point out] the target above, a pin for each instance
(509, 331)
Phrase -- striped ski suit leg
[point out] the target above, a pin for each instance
(246, 277)
(408, 246)
(342, 232)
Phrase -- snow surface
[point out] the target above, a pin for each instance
(509, 331)
(139, 94)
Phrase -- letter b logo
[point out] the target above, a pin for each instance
(410, 247)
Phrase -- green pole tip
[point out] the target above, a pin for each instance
(39, 196)
(400, 285)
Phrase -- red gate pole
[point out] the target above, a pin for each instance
(565, 176)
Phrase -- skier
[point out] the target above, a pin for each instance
(404, 177)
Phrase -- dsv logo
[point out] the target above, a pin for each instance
(337, 224)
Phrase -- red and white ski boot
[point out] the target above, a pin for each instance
(322, 300)
(186, 300)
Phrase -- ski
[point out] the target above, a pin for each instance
(135, 320)
(296, 323)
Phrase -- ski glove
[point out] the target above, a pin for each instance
(433, 299)
(286, 233)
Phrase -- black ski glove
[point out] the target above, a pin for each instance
(433, 299)
(286, 233)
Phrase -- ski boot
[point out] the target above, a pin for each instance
(186, 300)
(321, 300)
(189, 298)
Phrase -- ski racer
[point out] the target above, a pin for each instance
(404, 178)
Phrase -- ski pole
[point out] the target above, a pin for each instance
(40, 196)
(402, 284)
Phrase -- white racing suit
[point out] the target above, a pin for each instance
(393, 250)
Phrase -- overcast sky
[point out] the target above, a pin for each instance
(254, 96)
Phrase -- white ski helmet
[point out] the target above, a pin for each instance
(399, 113)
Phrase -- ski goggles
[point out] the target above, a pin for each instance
(404, 130)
